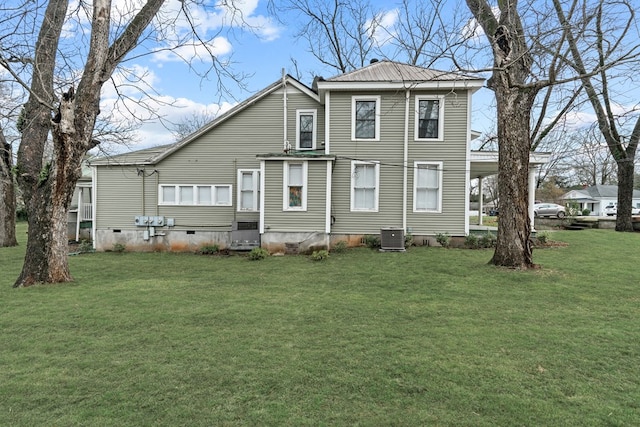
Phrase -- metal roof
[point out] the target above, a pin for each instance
(390, 71)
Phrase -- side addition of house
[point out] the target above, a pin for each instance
(293, 168)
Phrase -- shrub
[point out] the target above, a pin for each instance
(585, 212)
(208, 250)
(372, 241)
(119, 247)
(85, 246)
(408, 240)
(339, 247)
(320, 255)
(543, 237)
(21, 214)
(257, 254)
(444, 239)
(487, 240)
(472, 241)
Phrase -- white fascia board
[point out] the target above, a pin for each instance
(472, 85)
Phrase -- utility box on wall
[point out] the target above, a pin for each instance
(392, 239)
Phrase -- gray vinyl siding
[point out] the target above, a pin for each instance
(299, 101)
(452, 153)
(118, 197)
(311, 220)
(389, 151)
(212, 159)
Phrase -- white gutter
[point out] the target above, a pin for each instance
(405, 159)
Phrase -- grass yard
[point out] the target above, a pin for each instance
(429, 337)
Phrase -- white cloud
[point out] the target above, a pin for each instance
(217, 47)
(473, 30)
(155, 116)
(382, 26)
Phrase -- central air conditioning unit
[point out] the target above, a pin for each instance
(392, 239)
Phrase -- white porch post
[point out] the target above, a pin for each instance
(532, 193)
(79, 213)
(480, 201)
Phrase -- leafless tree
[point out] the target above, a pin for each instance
(590, 162)
(527, 59)
(339, 33)
(190, 124)
(7, 194)
(64, 81)
(9, 110)
(612, 46)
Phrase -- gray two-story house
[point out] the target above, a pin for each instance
(385, 147)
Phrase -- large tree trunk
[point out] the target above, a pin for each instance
(7, 195)
(48, 185)
(513, 246)
(625, 195)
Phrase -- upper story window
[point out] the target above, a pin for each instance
(306, 129)
(365, 183)
(365, 118)
(295, 186)
(427, 187)
(248, 190)
(199, 195)
(429, 118)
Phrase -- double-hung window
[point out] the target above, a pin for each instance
(306, 129)
(427, 187)
(429, 118)
(198, 195)
(248, 190)
(365, 118)
(365, 183)
(295, 186)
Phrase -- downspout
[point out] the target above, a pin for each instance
(94, 205)
(405, 160)
(286, 146)
(467, 174)
(143, 205)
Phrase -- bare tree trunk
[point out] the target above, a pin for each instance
(48, 186)
(513, 246)
(514, 99)
(7, 195)
(625, 195)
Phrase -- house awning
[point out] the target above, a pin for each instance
(485, 163)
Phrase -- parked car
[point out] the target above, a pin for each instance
(549, 209)
(612, 210)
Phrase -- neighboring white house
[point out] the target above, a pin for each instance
(597, 197)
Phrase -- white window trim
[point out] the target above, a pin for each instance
(313, 113)
(255, 188)
(354, 163)
(415, 187)
(356, 98)
(285, 186)
(194, 201)
(416, 131)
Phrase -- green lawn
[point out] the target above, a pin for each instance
(429, 337)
